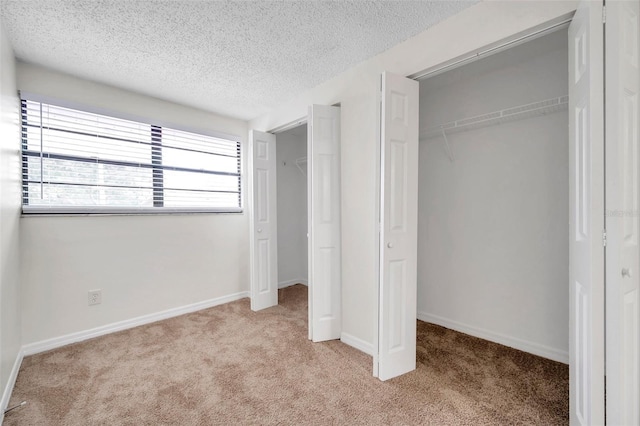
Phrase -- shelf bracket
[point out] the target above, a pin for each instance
(299, 162)
(447, 146)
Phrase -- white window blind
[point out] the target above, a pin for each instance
(80, 162)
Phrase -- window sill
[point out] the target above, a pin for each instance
(74, 212)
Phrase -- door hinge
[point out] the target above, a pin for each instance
(604, 14)
(604, 238)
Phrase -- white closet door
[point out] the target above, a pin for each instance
(586, 188)
(323, 166)
(399, 226)
(622, 52)
(264, 222)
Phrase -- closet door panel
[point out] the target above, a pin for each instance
(264, 223)
(398, 227)
(323, 163)
(623, 218)
(586, 186)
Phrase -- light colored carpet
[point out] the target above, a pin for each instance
(228, 365)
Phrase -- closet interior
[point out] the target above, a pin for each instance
(493, 212)
(291, 152)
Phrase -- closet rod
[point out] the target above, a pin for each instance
(527, 37)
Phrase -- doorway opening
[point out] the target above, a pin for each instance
(493, 198)
(291, 154)
(493, 214)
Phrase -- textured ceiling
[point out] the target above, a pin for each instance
(237, 58)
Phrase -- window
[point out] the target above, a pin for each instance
(79, 162)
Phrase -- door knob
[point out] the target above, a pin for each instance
(626, 272)
(259, 230)
(390, 245)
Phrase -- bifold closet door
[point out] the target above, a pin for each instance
(586, 215)
(323, 171)
(622, 114)
(399, 226)
(264, 221)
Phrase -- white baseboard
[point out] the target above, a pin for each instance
(289, 283)
(357, 343)
(56, 342)
(512, 342)
(8, 389)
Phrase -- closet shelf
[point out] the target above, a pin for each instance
(510, 114)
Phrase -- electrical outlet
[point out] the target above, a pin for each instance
(95, 297)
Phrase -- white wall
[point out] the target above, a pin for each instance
(143, 264)
(357, 90)
(493, 233)
(10, 198)
(292, 207)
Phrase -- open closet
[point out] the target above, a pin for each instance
(475, 201)
(291, 152)
(493, 198)
(278, 158)
(517, 230)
